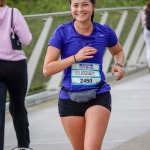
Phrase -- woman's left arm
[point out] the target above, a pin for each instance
(118, 55)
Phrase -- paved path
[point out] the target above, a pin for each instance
(129, 126)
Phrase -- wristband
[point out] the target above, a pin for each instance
(118, 64)
(75, 58)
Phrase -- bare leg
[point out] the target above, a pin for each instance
(97, 118)
(74, 127)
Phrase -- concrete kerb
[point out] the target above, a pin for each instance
(52, 94)
(138, 143)
(38, 98)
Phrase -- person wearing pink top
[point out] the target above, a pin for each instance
(146, 32)
(13, 74)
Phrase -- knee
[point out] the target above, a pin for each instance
(16, 107)
(92, 147)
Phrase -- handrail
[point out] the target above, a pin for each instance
(52, 86)
(104, 15)
(68, 12)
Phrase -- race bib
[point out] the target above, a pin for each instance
(85, 74)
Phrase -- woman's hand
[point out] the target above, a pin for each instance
(85, 53)
(118, 54)
(119, 70)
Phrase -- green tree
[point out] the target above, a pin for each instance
(47, 6)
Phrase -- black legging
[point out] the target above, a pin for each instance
(13, 78)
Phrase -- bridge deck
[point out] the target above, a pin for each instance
(128, 127)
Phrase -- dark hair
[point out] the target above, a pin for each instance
(93, 2)
(2, 3)
(147, 7)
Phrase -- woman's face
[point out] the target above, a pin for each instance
(82, 10)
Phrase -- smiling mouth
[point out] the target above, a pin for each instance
(81, 14)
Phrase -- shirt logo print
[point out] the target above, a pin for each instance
(102, 35)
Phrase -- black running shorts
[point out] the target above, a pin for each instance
(66, 107)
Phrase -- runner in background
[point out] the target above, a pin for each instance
(146, 31)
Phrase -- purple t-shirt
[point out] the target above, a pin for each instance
(87, 73)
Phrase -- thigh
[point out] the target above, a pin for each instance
(97, 118)
(17, 83)
(103, 99)
(74, 127)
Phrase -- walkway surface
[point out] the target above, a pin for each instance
(129, 126)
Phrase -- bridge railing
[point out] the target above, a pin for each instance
(125, 21)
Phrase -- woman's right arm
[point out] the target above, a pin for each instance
(52, 64)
